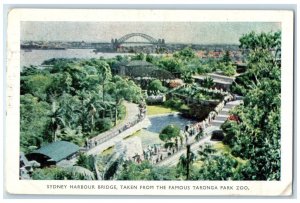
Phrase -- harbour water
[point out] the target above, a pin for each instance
(37, 57)
(159, 122)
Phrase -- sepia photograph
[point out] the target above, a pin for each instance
(151, 104)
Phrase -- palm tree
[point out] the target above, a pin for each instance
(109, 166)
(102, 167)
(104, 73)
(206, 151)
(84, 97)
(92, 113)
(71, 110)
(57, 120)
(80, 172)
(208, 82)
(185, 162)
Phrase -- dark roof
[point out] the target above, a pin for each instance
(120, 63)
(139, 63)
(153, 72)
(58, 151)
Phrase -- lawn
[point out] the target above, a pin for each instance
(158, 109)
(220, 147)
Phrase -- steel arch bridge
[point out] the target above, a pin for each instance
(128, 36)
(151, 40)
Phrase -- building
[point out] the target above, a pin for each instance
(221, 81)
(142, 69)
(53, 153)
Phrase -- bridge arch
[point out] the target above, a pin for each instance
(128, 36)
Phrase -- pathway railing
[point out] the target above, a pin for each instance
(103, 137)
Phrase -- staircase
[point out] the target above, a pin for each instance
(223, 115)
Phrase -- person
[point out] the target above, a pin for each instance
(187, 128)
(86, 143)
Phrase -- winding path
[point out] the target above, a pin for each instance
(110, 137)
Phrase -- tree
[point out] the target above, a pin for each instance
(71, 135)
(70, 94)
(185, 162)
(227, 68)
(34, 120)
(170, 64)
(263, 57)
(59, 173)
(121, 89)
(262, 41)
(145, 171)
(104, 72)
(36, 85)
(150, 58)
(219, 167)
(226, 58)
(185, 54)
(71, 106)
(170, 135)
(155, 87)
(257, 135)
(187, 77)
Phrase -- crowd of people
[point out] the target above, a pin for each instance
(155, 154)
(200, 126)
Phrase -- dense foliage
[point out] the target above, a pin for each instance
(256, 134)
(71, 100)
(66, 173)
(145, 171)
(156, 87)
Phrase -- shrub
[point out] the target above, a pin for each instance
(208, 82)
(174, 103)
(227, 69)
(184, 107)
(104, 124)
(217, 135)
(169, 132)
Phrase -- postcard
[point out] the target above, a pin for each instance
(149, 102)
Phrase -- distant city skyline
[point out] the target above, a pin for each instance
(172, 32)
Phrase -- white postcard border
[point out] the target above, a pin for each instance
(266, 188)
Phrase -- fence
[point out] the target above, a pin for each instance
(103, 137)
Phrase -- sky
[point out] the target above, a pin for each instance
(172, 32)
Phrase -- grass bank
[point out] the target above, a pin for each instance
(159, 109)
